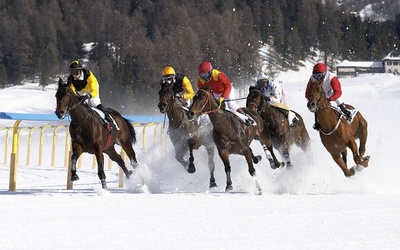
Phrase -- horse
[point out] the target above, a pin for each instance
(88, 133)
(231, 134)
(185, 134)
(283, 134)
(336, 133)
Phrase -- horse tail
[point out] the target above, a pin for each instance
(132, 131)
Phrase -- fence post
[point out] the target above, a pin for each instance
(14, 154)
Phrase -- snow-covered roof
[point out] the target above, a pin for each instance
(393, 55)
(360, 64)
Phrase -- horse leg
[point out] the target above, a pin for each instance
(76, 152)
(114, 156)
(127, 147)
(286, 157)
(340, 162)
(273, 161)
(358, 159)
(224, 155)
(100, 167)
(211, 165)
(191, 168)
(249, 155)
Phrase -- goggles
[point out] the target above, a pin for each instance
(168, 79)
(318, 76)
(75, 72)
(206, 75)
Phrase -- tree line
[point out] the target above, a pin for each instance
(132, 40)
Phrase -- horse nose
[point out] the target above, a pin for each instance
(162, 106)
(59, 114)
(190, 115)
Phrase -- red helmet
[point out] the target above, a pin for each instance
(319, 68)
(205, 69)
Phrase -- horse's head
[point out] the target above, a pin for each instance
(65, 99)
(203, 102)
(254, 99)
(166, 97)
(316, 97)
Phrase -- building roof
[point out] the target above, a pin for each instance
(393, 55)
(360, 64)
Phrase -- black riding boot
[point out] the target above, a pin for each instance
(345, 111)
(107, 115)
(316, 124)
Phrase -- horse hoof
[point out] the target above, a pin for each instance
(128, 174)
(289, 164)
(74, 177)
(350, 173)
(103, 184)
(191, 169)
(257, 159)
(213, 184)
(228, 188)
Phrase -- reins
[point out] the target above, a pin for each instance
(208, 100)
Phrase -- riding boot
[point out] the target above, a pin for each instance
(107, 115)
(316, 124)
(345, 111)
(249, 120)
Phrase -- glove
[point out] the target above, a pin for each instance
(220, 101)
(178, 96)
(84, 97)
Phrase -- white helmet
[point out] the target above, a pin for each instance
(262, 76)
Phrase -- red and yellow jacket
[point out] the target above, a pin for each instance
(219, 83)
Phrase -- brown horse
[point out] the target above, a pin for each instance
(336, 133)
(185, 134)
(89, 135)
(282, 134)
(231, 135)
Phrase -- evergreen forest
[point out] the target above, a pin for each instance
(132, 40)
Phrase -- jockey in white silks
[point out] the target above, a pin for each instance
(275, 93)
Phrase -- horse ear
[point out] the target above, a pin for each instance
(251, 88)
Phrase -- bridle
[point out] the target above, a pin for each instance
(260, 104)
(318, 100)
(68, 105)
(319, 106)
(208, 101)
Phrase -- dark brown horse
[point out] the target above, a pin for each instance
(231, 135)
(186, 135)
(283, 135)
(336, 133)
(89, 135)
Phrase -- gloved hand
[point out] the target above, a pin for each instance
(220, 101)
(178, 96)
(83, 97)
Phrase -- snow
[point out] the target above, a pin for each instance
(312, 206)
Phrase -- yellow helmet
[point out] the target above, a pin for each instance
(168, 71)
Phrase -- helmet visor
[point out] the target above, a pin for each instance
(205, 75)
(318, 76)
(75, 72)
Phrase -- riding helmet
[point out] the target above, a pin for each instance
(75, 65)
(205, 69)
(262, 76)
(168, 71)
(319, 68)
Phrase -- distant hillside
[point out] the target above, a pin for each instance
(376, 10)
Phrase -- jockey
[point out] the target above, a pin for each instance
(221, 88)
(83, 83)
(270, 89)
(331, 87)
(182, 86)
(276, 95)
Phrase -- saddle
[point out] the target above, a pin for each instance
(289, 114)
(102, 118)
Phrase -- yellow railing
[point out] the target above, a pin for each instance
(17, 134)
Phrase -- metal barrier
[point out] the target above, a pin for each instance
(16, 138)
